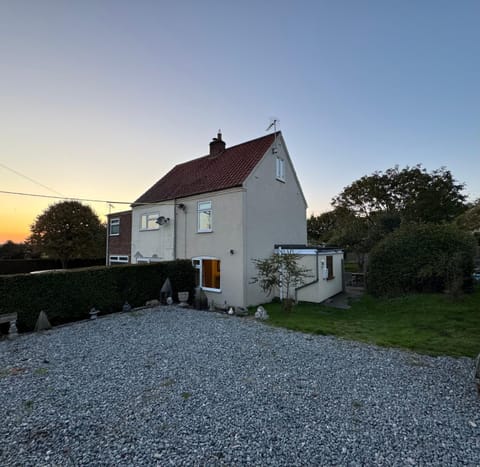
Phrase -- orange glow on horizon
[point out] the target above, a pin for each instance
(17, 214)
(16, 237)
(15, 226)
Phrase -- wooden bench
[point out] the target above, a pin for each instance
(12, 319)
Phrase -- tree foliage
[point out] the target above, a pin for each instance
(68, 230)
(11, 250)
(320, 228)
(412, 193)
(356, 234)
(280, 271)
(421, 258)
(470, 219)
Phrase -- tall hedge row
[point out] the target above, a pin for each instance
(22, 266)
(421, 258)
(69, 295)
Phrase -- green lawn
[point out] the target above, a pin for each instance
(433, 324)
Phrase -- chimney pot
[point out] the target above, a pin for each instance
(217, 146)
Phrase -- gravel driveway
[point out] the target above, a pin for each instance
(180, 387)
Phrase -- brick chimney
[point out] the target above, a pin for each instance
(217, 146)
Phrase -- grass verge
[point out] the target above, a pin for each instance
(432, 324)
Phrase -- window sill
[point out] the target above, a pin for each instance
(204, 231)
(280, 180)
(208, 289)
(114, 235)
(149, 230)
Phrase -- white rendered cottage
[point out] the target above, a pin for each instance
(221, 211)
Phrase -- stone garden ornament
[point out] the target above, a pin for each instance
(261, 313)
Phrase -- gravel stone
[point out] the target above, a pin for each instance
(171, 386)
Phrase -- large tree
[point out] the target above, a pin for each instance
(68, 230)
(470, 219)
(320, 229)
(355, 233)
(411, 193)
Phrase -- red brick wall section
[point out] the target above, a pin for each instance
(121, 244)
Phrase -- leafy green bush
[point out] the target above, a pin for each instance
(69, 295)
(421, 258)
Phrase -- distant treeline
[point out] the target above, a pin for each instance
(24, 266)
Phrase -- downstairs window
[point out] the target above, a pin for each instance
(207, 273)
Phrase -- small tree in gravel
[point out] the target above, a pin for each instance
(280, 271)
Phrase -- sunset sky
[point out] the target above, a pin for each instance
(99, 99)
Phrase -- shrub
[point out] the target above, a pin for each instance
(421, 258)
(280, 271)
(69, 296)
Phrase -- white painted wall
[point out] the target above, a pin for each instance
(156, 245)
(323, 289)
(275, 213)
(227, 234)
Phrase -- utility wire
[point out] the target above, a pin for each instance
(68, 198)
(30, 179)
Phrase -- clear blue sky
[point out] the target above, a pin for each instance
(99, 99)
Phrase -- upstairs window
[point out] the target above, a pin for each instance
(149, 221)
(114, 227)
(205, 216)
(280, 169)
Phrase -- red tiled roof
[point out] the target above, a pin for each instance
(206, 174)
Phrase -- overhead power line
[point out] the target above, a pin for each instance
(16, 172)
(36, 195)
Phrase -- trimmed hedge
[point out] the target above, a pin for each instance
(23, 266)
(69, 295)
(421, 258)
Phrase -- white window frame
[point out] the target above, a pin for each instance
(204, 207)
(146, 218)
(197, 263)
(280, 169)
(143, 260)
(118, 259)
(114, 223)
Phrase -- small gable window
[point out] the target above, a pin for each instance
(280, 169)
(114, 227)
(149, 221)
(205, 216)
